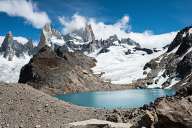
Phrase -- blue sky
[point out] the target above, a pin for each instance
(159, 16)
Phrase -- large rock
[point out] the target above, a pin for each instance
(60, 71)
(174, 112)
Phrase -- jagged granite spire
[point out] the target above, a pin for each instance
(45, 36)
(48, 34)
(89, 35)
(7, 46)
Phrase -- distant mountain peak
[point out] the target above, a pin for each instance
(10, 47)
(7, 46)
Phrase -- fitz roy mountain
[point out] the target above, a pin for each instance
(82, 40)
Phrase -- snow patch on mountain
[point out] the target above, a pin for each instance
(10, 70)
(120, 68)
(57, 41)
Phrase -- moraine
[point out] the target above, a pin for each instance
(131, 98)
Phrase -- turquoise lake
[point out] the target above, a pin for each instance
(132, 98)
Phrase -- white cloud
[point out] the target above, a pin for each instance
(25, 9)
(76, 22)
(123, 23)
(120, 28)
(101, 30)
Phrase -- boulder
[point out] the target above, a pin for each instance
(174, 113)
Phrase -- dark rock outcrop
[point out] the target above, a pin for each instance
(147, 50)
(179, 39)
(103, 50)
(171, 111)
(175, 111)
(184, 67)
(60, 71)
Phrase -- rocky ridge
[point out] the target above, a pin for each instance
(82, 40)
(174, 65)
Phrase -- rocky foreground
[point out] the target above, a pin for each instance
(22, 106)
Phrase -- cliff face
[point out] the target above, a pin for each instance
(175, 64)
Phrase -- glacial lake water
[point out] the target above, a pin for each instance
(132, 98)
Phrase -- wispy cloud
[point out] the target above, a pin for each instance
(121, 28)
(25, 9)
